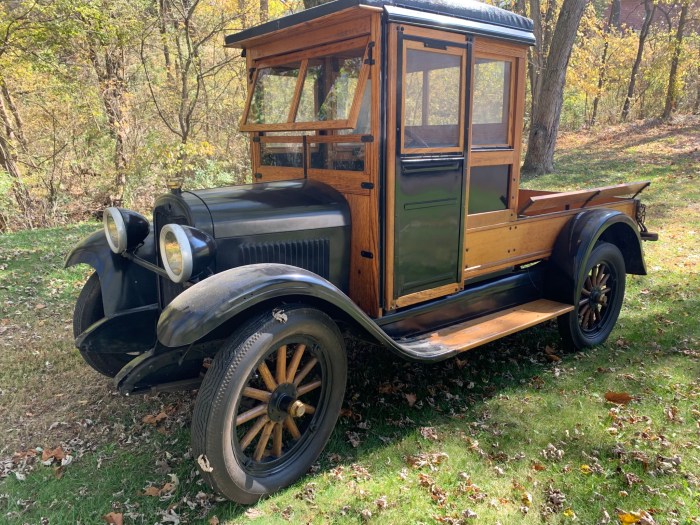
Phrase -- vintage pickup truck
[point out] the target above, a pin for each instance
(386, 205)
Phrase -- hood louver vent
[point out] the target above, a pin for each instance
(312, 255)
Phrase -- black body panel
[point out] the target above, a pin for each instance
(124, 285)
(477, 300)
(577, 240)
(302, 223)
(468, 16)
(224, 298)
(428, 235)
(127, 331)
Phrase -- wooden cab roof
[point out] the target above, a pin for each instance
(464, 16)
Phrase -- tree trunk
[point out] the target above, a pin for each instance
(672, 93)
(163, 28)
(113, 91)
(264, 10)
(696, 107)
(649, 9)
(19, 190)
(614, 12)
(544, 121)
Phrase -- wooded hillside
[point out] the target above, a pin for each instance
(101, 101)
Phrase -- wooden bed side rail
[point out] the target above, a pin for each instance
(533, 204)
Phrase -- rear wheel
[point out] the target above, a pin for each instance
(269, 402)
(89, 310)
(599, 300)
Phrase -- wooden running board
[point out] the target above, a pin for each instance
(470, 334)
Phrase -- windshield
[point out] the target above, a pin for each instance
(323, 91)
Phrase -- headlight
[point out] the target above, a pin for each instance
(124, 229)
(185, 251)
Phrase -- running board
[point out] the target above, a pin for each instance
(476, 332)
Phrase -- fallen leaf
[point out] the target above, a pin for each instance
(114, 518)
(252, 514)
(411, 399)
(214, 520)
(203, 463)
(628, 518)
(619, 398)
(151, 491)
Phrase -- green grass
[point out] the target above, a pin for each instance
(494, 411)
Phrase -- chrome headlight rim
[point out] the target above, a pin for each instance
(122, 238)
(183, 243)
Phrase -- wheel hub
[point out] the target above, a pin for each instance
(283, 402)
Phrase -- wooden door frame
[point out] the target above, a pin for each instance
(391, 150)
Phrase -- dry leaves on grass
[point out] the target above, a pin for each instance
(430, 460)
(619, 398)
(640, 517)
(114, 518)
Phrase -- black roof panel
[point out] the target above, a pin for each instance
(467, 16)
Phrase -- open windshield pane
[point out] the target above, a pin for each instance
(329, 86)
(273, 94)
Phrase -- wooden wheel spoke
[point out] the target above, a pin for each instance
(266, 375)
(605, 290)
(305, 371)
(264, 438)
(277, 440)
(591, 316)
(282, 364)
(255, 393)
(251, 414)
(587, 285)
(292, 427)
(604, 280)
(304, 389)
(253, 431)
(308, 409)
(583, 302)
(584, 310)
(585, 292)
(296, 359)
(594, 275)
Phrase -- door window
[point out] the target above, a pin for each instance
(433, 101)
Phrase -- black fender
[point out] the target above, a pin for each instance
(222, 299)
(125, 285)
(576, 241)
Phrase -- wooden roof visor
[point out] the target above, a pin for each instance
(464, 16)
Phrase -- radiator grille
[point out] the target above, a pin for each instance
(312, 255)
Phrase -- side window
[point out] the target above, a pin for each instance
(492, 172)
(432, 99)
(492, 90)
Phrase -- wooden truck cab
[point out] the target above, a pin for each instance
(426, 149)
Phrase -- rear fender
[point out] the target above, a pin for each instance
(229, 296)
(125, 285)
(577, 240)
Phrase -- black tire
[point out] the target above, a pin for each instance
(599, 299)
(89, 310)
(242, 469)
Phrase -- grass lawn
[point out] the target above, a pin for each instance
(517, 431)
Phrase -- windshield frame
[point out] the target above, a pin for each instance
(303, 57)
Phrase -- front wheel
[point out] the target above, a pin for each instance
(89, 310)
(599, 300)
(269, 402)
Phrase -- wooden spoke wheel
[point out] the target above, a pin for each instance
(600, 294)
(276, 409)
(269, 402)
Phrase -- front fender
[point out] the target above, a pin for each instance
(577, 240)
(207, 305)
(125, 285)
